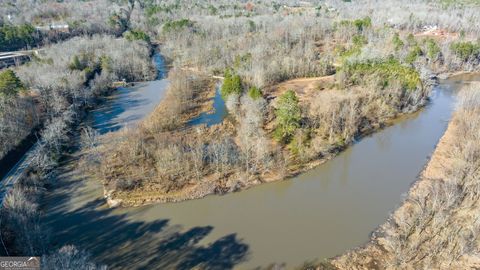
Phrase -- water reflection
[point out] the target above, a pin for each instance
(212, 118)
(127, 105)
(319, 214)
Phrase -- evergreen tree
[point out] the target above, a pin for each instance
(288, 115)
(232, 84)
(10, 84)
(76, 64)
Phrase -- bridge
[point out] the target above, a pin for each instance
(16, 58)
(8, 59)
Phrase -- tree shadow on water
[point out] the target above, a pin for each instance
(119, 242)
(222, 254)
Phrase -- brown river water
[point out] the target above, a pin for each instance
(317, 215)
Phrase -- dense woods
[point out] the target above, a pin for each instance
(24, 233)
(370, 88)
(55, 89)
(56, 83)
(17, 111)
(17, 37)
(27, 24)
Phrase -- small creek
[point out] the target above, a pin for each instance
(316, 215)
(212, 117)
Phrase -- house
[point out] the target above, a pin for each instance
(57, 27)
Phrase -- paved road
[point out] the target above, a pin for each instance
(16, 172)
(126, 106)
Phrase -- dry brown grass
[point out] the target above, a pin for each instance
(187, 95)
(437, 226)
(305, 88)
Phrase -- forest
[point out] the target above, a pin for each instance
(358, 88)
(301, 82)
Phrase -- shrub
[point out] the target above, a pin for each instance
(106, 63)
(76, 64)
(411, 40)
(152, 10)
(242, 60)
(177, 25)
(433, 50)
(388, 70)
(359, 24)
(358, 42)
(136, 35)
(466, 50)
(300, 143)
(413, 54)
(118, 21)
(397, 42)
(254, 93)
(82, 61)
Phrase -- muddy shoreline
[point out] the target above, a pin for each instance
(423, 180)
(204, 189)
(213, 188)
(349, 182)
(373, 254)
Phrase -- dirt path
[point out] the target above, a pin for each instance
(303, 87)
(438, 33)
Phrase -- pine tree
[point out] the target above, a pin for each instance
(10, 84)
(288, 115)
(232, 84)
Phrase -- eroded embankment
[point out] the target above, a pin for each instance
(437, 225)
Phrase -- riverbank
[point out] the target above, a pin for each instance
(64, 104)
(435, 226)
(204, 179)
(141, 197)
(349, 196)
(188, 98)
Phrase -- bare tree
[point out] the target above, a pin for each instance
(69, 257)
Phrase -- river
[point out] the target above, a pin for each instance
(128, 105)
(316, 215)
